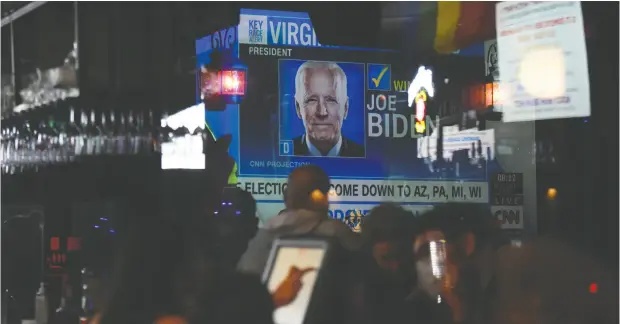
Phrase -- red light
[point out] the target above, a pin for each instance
(54, 243)
(593, 288)
(233, 82)
(56, 261)
(74, 244)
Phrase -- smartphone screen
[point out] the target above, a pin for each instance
(293, 278)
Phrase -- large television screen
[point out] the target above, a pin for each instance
(343, 109)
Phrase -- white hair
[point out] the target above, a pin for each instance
(340, 79)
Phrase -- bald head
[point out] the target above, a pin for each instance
(307, 188)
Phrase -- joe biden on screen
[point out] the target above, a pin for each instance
(322, 104)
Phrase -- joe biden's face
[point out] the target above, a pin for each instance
(321, 109)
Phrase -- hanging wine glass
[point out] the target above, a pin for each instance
(133, 139)
(4, 140)
(62, 142)
(14, 148)
(82, 143)
(6, 144)
(120, 132)
(73, 146)
(103, 136)
(40, 146)
(91, 134)
(151, 140)
(54, 129)
(145, 132)
(138, 140)
(27, 145)
(110, 136)
(97, 134)
(51, 133)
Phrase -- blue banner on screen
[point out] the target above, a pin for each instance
(276, 28)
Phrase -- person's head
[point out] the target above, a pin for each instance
(321, 100)
(465, 229)
(235, 224)
(238, 209)
(387, 231)
(307, 188)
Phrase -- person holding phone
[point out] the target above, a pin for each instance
(389, 272)
(479, 278)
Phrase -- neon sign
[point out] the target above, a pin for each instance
(423, 81)
(420, 112)
(420, 89)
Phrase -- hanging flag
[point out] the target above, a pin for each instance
(448, 26)
(463, 23)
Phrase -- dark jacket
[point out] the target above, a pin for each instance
(293, 222)
(348, 149)
(239, 298)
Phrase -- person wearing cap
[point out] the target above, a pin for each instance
(485, 280)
